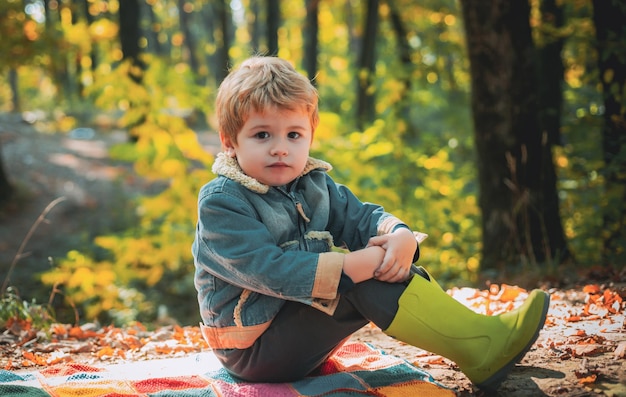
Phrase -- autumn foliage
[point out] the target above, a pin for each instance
(579, 325)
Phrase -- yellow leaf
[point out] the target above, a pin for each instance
(103, 29)
(378, 149)
(172, 168)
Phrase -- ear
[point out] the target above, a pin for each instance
(227, 145)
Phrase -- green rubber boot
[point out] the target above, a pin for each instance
(484, 347)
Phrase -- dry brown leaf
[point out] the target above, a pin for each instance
(106, 351)
(34, 358)
(591, 289)
(438, 360)
(509, 293)
(585, 350)
(588, 379)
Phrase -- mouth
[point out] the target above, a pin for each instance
(279, 164)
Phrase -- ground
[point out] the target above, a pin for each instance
(580, 352)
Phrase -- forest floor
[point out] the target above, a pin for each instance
(580, 352)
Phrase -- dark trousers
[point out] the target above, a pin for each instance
(301, 338)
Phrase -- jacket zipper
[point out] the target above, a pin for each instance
(302, 218)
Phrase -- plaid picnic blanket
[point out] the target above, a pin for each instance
(357, 369)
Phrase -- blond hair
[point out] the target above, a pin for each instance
(260, 83)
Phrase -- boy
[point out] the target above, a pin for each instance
(275, 300)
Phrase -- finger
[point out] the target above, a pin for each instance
(385, 264)
(381, 272)
(390, 274)
(398, 277)
(376, 240)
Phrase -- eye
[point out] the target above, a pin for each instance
(262, 135)
(293, 135)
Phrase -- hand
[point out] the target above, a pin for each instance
(360, 265)
(399, 248)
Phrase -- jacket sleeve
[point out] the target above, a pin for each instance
(353, 222)
(234, 245)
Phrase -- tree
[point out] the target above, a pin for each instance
(152, 34)
(550, 104)
(130, 33)
(223, 59)
(609, 16)
(513, 158)
(6, 189)
(19, 46)
(189, 42)
(404, 73)
(89, 17)
(273, 23)
(366, 66)
(551, 69)
(311, 29)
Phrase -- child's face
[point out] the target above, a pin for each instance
(272, 147)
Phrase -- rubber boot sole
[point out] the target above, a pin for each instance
(492, 383)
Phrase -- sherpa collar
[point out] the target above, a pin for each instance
(229, 167)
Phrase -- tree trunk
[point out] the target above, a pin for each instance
(405, 73)
(6, 189)
(404, 48)
(551, 70)
(94, 46)
(255, 27)
(223, 59)
(512, 156)
(273, 23)
(15, 89)
(551, 80)
(153, 35)
(129, 37)
(311, 29)
(609, 17)
(189, 43)
(366, 68)
(58, 59)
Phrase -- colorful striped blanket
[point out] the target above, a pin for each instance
(356, 369)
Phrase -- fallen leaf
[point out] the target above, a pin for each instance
(509, 293)
(585, 350)
(588, 379)
(58, 329)
(591, 289)
(35, 358)
(438, 360)
(17, 325)
(106, 351)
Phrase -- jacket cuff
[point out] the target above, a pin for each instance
(329, 269)
(388, 225)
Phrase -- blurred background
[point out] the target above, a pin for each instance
(496, 128)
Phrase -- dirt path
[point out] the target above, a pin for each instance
(44, 167)
(578, 354)
(574, 355)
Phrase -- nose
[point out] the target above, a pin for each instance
(280, 149)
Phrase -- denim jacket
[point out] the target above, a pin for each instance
(257, 246)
